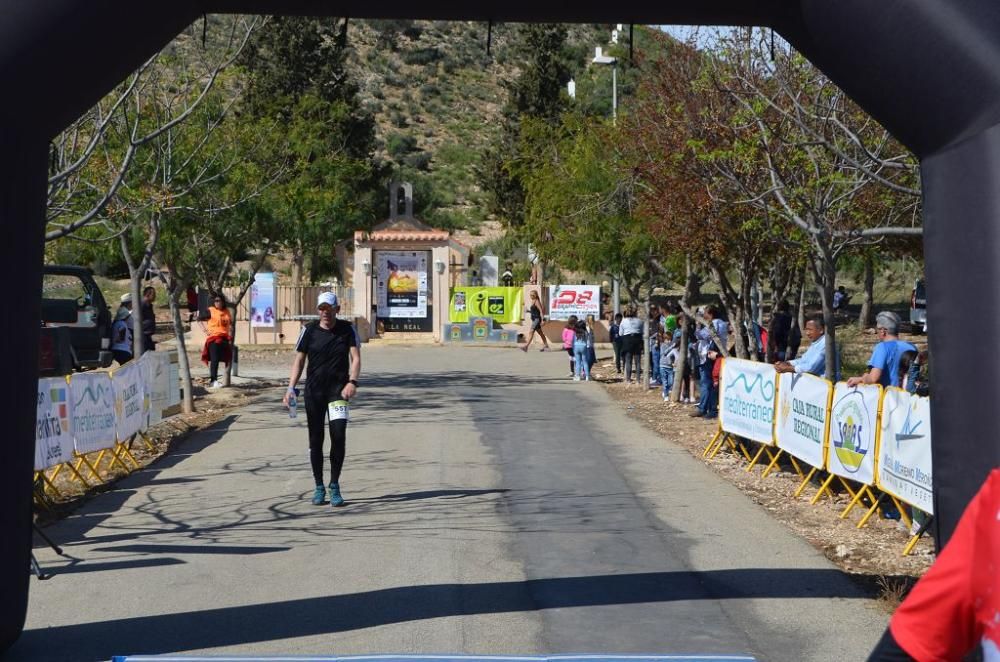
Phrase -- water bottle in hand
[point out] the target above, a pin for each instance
(292, 411)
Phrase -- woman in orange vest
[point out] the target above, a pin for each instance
(219, 342)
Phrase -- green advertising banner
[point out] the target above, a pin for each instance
(503, 304)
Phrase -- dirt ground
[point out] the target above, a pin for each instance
(875, 550)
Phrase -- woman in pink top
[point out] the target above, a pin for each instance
(568, 335)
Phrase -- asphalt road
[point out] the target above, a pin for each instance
(494, 506)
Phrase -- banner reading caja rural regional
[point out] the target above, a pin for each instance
(129, 394)
(402, 283)
(503, 304)
(53, 429)
(93, 411)
(803, 406)
(853, 420)
(579, 300)
(746, 399)
(904, 463)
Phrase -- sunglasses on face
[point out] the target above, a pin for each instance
(325, 308)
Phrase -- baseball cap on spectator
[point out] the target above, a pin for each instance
(328, 298)
(126, 298)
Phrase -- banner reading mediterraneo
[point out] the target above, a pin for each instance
(904, 463)
(503, 304)
(746, 400)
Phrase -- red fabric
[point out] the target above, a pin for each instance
(957, 603)
(717, 370)
(227, 351)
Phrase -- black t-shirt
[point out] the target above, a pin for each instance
(328, 354)
(781, 325)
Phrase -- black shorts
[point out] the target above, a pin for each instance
(536, 325)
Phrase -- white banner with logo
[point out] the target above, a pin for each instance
(53, 423)
(156, 367)
(401, 285)
(129, 394)
(904, 463)
(853, 425)
(93, 411)
(579, 300)
(802, 425)
(747, 399)
(262, 300)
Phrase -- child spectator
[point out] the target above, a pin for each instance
(581, 352)
(668, 358)
(568, 335)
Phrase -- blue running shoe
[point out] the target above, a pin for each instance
(335, 499)
(319, 495)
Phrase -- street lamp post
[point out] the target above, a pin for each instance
(601, 58)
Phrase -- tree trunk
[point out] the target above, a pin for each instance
(138, 343)
(867, 317)
(682, 351)
(825, 275)
(297, 260)
(183, 364)
(801, 315)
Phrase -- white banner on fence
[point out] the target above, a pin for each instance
(579, 300)
(53, 418)
(904, 463)
(746, 399)
(802, 426)
(156, 366)
(129, 394)
(93, 411)
(853, 420)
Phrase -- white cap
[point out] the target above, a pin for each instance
(329, 298)
(126, 298)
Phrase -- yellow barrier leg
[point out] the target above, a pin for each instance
(149, 444)
(51, 485)
(795, 464)
(113, 459)
(805, 481)
(825, 487)
(773, 464)
(920, 532)
(123, 449)
(81, 460)
(847, 487)
(854, 502)
(738, 448)
(756, 457)
(711, 444)
(56, 472)
(871, 511)
(78, 475)
(902, 513)
(718, 446)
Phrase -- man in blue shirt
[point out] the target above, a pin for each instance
(814, 359)
(883, 366)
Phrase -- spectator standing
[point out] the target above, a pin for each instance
(591, 344)
(535, 313)
(613, 330)
(121, 332)
(631, 341)
(883, 366)
(581, 352)
(813, 361)
(777, 333)
(654, 345)
(218, 330)
(568, 336)
(840, 298)
(707, 404)
(148, 319)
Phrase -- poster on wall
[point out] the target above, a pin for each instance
(402, 284)
(262, 300)
(503, 304)
(579, 300)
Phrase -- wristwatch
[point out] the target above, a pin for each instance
(353, 381)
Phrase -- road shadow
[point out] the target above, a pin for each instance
(244, 625)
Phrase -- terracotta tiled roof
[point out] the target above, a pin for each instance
(403, 235)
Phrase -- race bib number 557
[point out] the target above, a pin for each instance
(339, 410)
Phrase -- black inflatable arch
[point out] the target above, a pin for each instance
(928, 70)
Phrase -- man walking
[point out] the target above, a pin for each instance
(332, 349)
(813, 361)
(148, 319)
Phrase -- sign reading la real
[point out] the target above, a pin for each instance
(747, 399)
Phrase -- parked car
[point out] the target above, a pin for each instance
(918, 307)
(72, 299)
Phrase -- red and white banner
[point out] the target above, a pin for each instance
(579, 300)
